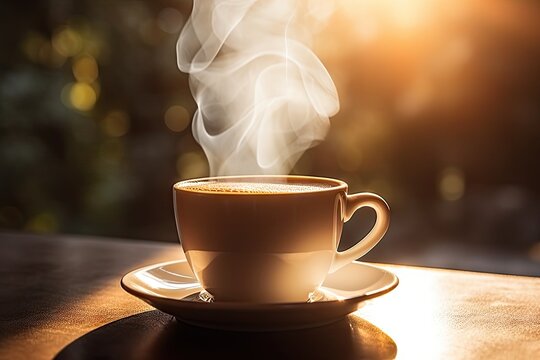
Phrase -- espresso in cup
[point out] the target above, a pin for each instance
(268, 239)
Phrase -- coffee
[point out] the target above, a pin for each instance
(253, 187)
(268, 239)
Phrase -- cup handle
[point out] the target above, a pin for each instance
(353, 203)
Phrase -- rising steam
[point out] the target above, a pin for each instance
(263, 96)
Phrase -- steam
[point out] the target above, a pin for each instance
(263, 96)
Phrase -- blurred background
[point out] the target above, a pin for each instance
(440, 114)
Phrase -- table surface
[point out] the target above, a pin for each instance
(60, 298)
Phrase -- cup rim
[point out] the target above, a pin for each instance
(336, 184)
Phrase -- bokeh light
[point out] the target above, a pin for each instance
(85, 69)
(40, 50)
(170, 20)
(116, 123)
(177, 118)
(82, 96)
(452, 184)
(67, 41)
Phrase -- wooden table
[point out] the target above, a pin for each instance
(60, 298)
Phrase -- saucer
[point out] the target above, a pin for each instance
(172, 288)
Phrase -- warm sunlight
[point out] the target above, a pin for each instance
(420, 296)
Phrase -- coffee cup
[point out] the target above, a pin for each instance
(269, 239)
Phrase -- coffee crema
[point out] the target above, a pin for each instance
(253, 187)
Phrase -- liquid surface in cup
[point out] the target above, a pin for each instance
(253, 187)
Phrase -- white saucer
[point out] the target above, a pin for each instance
(172, 288)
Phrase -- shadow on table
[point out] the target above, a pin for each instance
(155, 335)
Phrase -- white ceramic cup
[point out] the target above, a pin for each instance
(269, 239)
